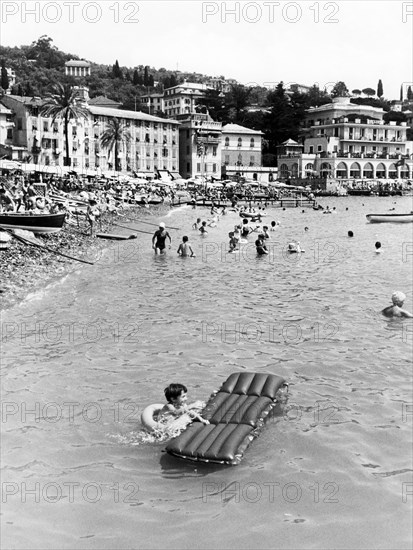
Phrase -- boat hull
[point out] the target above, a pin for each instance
(37, 223)
(390, 218)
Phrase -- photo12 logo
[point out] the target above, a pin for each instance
(70, 491)
(69, 12)
(252, 492)
(270, 12)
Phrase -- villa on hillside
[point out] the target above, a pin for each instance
(77, 67)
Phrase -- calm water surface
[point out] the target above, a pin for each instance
(333, 466)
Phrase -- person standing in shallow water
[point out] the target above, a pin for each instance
(396, 310)
(159, 239)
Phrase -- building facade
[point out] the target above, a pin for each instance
(153, 102)
(153, 143)
(7, 149)
(348, 141)
(178, 100)
(241, 146)
(199, 146)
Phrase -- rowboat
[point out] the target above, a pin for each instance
(5, 240)
(37, 223)
(392, 218)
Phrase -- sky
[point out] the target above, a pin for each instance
(307, 42)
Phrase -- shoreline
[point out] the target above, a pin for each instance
(26, 269)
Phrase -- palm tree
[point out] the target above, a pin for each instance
(64, 103)
(114, 136)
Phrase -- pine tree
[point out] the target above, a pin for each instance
(116, 70)
(409, 93)
(146, 77)
(380, 89)
(151, 81)
(401, 92)
(368, 91)
(4, 77)
(135, 79)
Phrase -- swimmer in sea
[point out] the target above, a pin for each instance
(195, 225)
(233, 243)
(203, 228)
(246, 229)
(260, 245)
(237, 233)
(378, 247)
(185, 248)
(294, 247)
(396, 309)
(176, 396)
(159, 238)
(213, 222)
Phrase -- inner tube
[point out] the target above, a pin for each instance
(149, 414)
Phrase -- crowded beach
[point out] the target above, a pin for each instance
(93, 209)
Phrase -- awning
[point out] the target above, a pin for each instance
(10, 165)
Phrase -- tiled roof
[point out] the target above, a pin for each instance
(135, 115)
(237, 129)
(77, 63)
(101, 100)
(27, 100)
(290, 142)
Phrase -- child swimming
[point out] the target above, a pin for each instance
(176, 396)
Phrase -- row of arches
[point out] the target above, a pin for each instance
(346, 170)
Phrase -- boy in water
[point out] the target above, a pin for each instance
(176, 396)
(260, 245)
(233, 243)
(185, 248)
(203, 228)
(396, 310)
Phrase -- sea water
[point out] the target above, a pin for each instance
(333, 466)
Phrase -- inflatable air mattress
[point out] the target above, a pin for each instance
(236, 413)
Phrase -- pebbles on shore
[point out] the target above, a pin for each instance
(25, 268)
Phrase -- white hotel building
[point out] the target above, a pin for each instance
(153, 144)
(348, 141)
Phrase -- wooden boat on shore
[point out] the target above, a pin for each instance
(37, 223)
(359, 192)
(390, 218)
(5, 240)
